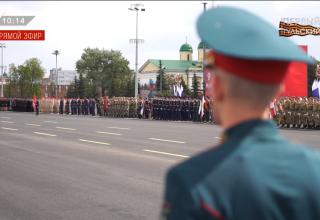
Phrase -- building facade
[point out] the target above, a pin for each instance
(62, 77)
(58, 82)
(185, 67)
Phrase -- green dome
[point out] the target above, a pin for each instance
(201, 45)
(186, 48)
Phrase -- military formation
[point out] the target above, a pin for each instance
(159, 108)
(70, 106)
(298, 112)
(16, 104)
(180, 109)
(290, 112)
(122, 107)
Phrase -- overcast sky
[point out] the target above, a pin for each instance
(72, 26)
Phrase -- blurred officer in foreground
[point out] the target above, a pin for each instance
(254, 173)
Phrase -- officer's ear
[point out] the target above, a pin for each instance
(218, 88)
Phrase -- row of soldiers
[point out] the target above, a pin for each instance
(122, 107)
(160, 108)
(70, 106)
(180, 109)
(79, 106)
(290, 112)
(298, 112)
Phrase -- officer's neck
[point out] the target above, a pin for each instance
(234, 116)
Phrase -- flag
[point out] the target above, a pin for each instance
(201, 107)
(316, 88)
(180, 90)
(142, 109)
(272, 109)
(34, 103)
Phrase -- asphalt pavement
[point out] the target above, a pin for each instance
(82, 167)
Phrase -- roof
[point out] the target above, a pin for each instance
(174, 65)
(201, 45)
(186, 48)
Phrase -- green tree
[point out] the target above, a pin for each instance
(81, 86)
(11, 90)
(73, 90)
(91, 89)
(186, 90)
(165, 83)
(130, 86)
(107, 70)
(195, 86)
(26, 78)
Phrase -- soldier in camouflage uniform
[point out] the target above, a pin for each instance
(298, 112)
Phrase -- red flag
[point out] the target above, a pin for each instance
(34, 102)
(296, 82)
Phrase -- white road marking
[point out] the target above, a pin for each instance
(103, 132)
(219, 138)
(95, 142)
(32, 124)
(157, 139)
(10, 129)
(71, 129)
(54, 122)
(165, 153)
(8, 122)
(5, 117)
(45, 134)
(120, 128)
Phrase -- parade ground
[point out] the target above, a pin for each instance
(83, 167)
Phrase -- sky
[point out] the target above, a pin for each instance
(72, 26)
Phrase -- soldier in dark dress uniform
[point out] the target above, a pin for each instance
(86, 106)
(61, 107)
(37, 107)
(90, 106)
(93, 107)
(79, 106)
(254, 173)
(155, 108)
(99, 107)
(67, 107)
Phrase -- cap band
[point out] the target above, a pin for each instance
(261, 71)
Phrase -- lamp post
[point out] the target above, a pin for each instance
(2, 45)
(56, 53)
(161, 75)
(203, 58)
(136, 8)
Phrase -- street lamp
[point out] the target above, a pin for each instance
(203, 58)
(56, 53)
(2, 45)
(136, 8)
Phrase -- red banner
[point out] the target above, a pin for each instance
(22, 35)
(296, 82)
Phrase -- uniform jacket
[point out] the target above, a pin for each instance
(255, 173)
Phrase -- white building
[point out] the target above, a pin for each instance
(62, 77)
(186, 67)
